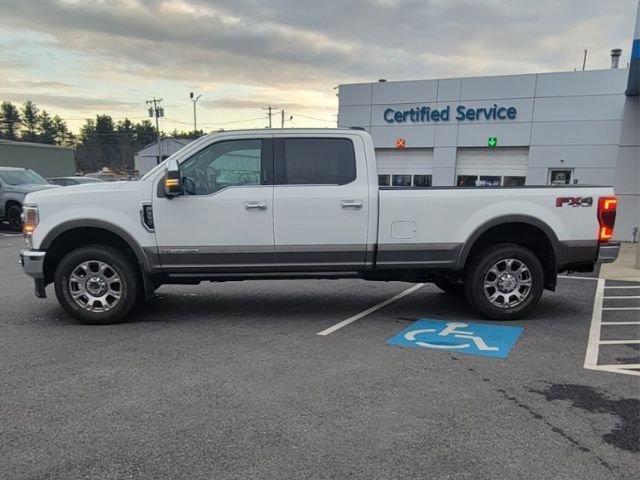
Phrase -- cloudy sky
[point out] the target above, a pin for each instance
(77, 58)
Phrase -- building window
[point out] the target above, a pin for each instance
(560, 176)
(489, 181)
(401, 180)
(422, 180)
(467, 180)
(384, 180)
(514, 181)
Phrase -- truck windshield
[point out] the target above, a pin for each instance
(22, 177)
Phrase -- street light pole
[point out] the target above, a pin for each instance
(194, 99)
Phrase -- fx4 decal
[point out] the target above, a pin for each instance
(574, 201)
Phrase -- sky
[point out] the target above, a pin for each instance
(77, 58)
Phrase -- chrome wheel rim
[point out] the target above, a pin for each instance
(95, 286)
(507, 283)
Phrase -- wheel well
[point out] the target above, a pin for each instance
(77, 237)
(9, 204)
(524, 234)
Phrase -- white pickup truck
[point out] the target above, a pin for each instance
(292, 204)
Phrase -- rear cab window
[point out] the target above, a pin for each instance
(315, 161)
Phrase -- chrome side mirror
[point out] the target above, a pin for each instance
(173, 180)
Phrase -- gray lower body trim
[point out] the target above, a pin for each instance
(576, 252)
(187, 260)
(418, 255)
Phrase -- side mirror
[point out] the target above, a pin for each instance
(173, 180)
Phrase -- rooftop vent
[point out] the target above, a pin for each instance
(615, 57)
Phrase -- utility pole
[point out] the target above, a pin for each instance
(194, 100)
(269, 110)
(156, 110)
(584, 60)
(282, 119)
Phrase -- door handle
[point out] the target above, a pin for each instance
(357, 204)
(255, 205)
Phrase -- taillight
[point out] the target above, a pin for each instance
(607, 207)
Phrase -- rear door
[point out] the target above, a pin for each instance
(321, 203)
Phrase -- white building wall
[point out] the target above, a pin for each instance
(568, 120)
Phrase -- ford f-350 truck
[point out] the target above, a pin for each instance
(292, 204)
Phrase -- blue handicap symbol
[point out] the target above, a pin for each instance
(470, 338)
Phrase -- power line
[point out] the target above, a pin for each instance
(314, 118)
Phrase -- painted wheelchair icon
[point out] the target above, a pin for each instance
(451, 329)
(487, 340)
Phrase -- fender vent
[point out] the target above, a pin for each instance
(147, 216)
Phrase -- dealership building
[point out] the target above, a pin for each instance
(565, 128)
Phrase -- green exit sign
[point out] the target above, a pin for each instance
(492, 141)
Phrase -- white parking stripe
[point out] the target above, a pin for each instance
(621, 308)
(622, 365)
(591, 357)
(368, 311)
(620, 323)
(619, 342)
(578, 278)
(622, 296)
(623, 286)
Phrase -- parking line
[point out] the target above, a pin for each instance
(578, 278)
(619, 342)
(621, 308)
(622, 365)
(591, 357)
(623, 286)
(368, 311)
(620, 323)
(622, 296)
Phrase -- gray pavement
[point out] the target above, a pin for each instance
(230, 381)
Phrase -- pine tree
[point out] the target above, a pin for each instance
(46, 128)
(9, 120)
(30, 121)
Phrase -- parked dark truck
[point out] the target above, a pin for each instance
(265, 204)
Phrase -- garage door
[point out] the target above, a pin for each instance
(406, 167)
(486, 167)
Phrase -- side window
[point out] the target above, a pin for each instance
(224, 164)
(316, 161)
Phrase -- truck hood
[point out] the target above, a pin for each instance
(83, 190)
(30, 188)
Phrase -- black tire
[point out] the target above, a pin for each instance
(118, 263)
(499, 255)
(450, 286)
(14, 217)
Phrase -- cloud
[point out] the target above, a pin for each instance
(70, 102)
(246, 54)
(306, 42)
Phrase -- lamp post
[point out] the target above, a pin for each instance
(194, 99)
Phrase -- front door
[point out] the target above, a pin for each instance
(224, 221)
(321, 204)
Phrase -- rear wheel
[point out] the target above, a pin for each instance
(14, 217)
(454, 287)
(505, 282)
(97, 285)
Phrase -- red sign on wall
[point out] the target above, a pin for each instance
(400, 143)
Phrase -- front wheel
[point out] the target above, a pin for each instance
(97, 285)
(505, 282)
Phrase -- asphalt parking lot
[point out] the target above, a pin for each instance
(232, 381)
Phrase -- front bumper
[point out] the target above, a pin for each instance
(608, 252)
(32, 263)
